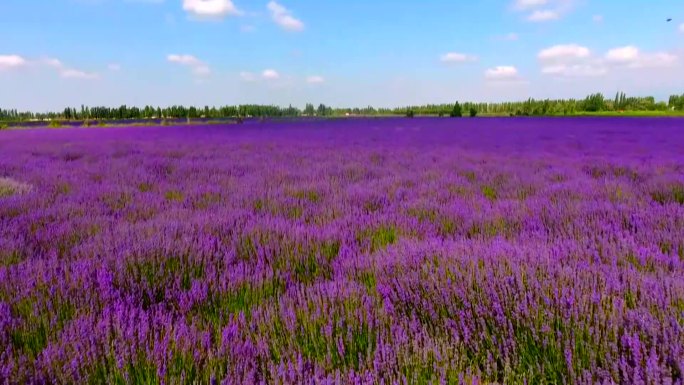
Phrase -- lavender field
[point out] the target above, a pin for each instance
(378, 251)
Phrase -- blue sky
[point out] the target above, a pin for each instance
(55, 53)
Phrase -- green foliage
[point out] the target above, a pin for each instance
(670, 194)
(294, 212)
(489, 192)
(206, 200)
(473, 112)
(306, 270)
(55, 124)
(145, 187)
(117, 201)
(10, 257)
(4, 126)
(471, 176)
(457, 111)
(309, 195)
(323, 110)
(367, 278)
(42, 322)
(492, 228)
(63, 188)
(409, 113)
(357, 338)
(220, 305)
(309, 110)
(316, 262)
(181, 369)
(676, 102)
(6, 190)
(152, 277)
(330, 249)
(174, 196)
(594, 103)
(378, 238)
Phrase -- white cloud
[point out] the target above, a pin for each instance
(11, 61)
(52, 62)
(315, 79)
(564, 51)
(455, 57)
(574, 70)
(526, 4)
(511, 37)
(210, 8)
(573, 60)
(198, 67)
(502, 73)
(68, 73)
(569, 60)
(183, 59)
(270, 74)
(622, 54)
(248, 76)
(543, 15)
(114, 67)
(283, 17)
(597, 18)
(656, 60)
(544, 10)
(632, 57)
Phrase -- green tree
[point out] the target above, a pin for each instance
(594, 103)
(309, 110)
(456, 112)
(322, 110)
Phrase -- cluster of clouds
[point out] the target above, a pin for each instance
(201, 69)
(457, 57)
(217, 9)
(283, 17)
(11, 61)
(574, 60)
(14, 62)
(504, 73)
(561, 61)
(270, 75)
(543, 10)
(197, 66)
(211, 8)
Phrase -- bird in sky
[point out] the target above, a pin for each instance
(669, 20)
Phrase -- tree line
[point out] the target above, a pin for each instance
(150, 112)
(531, 107)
